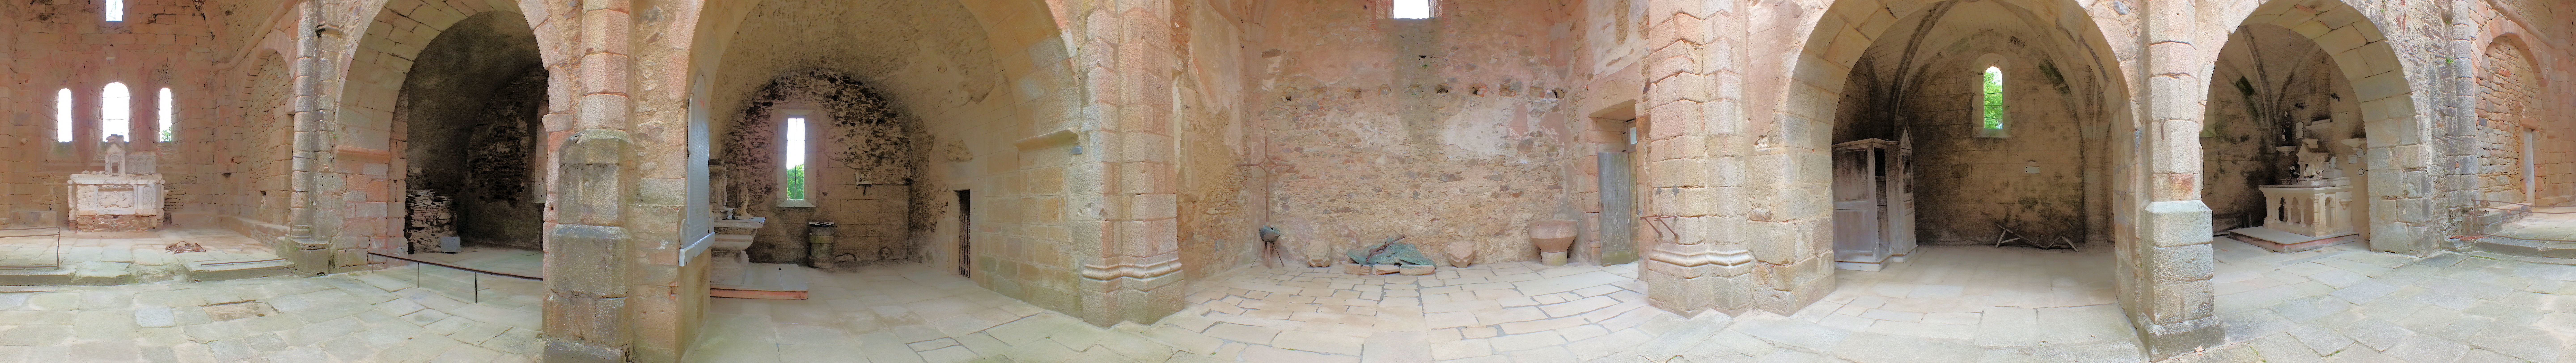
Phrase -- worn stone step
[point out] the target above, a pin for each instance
(2526, 248)
(219, 270)
(35, 277)
(92, 273)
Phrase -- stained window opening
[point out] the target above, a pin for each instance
(63, 115)
(115, 10)
(1993, 97)
(794, 181)
(115, 110)
(166, 115)
(1412, 9)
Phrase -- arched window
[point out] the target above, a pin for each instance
(63, 115)
(115, 10)
(1990, 86)
(115, 109)
(166, 115)
(792, 167)
(1412, 9)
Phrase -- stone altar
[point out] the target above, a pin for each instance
(2312, 210)
(114, 200)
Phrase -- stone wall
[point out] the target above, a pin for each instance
(1217, 209)
(471, 127)
(57, 45)
(853, 137)
(974, 81)
(2507, 86)
(250, 146)
(1448, 130)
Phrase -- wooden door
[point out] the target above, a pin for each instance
(1900, 199)
(1856, 209)
(1618, 226)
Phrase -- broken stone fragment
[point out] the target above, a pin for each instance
(1461, 254)
(1385, 269)
(1356, 269)
(1416, 270)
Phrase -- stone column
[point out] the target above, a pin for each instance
(1130, 248)
(2166, 259)
(1709, 176)
(308, 243)
(590, 249)
(2459, 182)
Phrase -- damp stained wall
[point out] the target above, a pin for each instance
(1448, 131)
(467, 124)
(967, 97)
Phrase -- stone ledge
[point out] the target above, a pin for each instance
(239, 269)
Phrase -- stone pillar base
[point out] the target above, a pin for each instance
(562, 350)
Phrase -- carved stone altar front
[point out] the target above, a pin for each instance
(115, 202)
(117, 199)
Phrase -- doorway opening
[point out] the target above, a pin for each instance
(469, 126)
(965, 233)
(2282, 145)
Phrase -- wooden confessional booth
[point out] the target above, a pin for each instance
(1873, 203)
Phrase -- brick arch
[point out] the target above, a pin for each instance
(1791, 117)
(374, 67)
(1813, 82)
(2398, 148)
(380, 59)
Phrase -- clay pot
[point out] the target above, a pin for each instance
(1553, 235)
(1462, 254)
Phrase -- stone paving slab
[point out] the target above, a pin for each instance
(337, 318)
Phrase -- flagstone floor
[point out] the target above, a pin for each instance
(142, 255)
(1950, 303)
(372, 316)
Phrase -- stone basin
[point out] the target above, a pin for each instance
(1553, 235)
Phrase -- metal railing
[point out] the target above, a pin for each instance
(456, 281)
(57, 245)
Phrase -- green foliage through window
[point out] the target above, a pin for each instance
(1994, 99)
(795, 182)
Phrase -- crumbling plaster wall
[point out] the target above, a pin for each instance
(1449, 130)
(853, 137)
(466, 127)
(1216, 208)
(976, 78)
